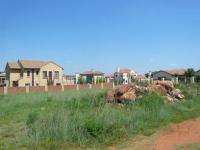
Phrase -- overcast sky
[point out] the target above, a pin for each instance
(102, 34)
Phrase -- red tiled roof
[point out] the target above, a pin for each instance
(172, 72)
(124, 70)
(109, 76)
(92, 72)
(176, 72)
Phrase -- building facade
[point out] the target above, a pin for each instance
(124, 76)
(109, 78)
(90, 76)
(33, 73)
(70, 80)
(168, 74)
(2, 79)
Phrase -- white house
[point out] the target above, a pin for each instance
(124, 76)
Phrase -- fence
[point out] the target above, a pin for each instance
(58, 88)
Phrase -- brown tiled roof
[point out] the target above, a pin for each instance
(109, 76)
(174, 72)
(13, 65)
(29, 64)
(32, 63)
(124, 70)
(93, 72)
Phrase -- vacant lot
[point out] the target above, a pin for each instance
(79, 120)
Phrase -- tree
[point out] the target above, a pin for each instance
(93, 80)
(190, 73)
(100, 80)
(104, 80)
(81, 80)
(97, 80)
(198, 78)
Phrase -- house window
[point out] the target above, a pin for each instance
(28, 73)
(44, 74)
(56, 75)
(37, 72)
(27, 84)
(3, 80)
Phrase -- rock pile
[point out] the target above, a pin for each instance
(134, 92)
(167, 89)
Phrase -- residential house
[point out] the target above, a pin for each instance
(141, 78)
(90, 76)
(33, 73)
(124, 76)
(109, 78)
(168, 74)
(69, 79)
(2, 79)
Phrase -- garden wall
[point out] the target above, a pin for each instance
(16, 90)
(58, 88)
(37, 89)
(70, 87)
(1, 90)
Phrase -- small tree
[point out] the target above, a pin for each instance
(97, 80)
(81, 80)
(197, 78)
(93, 80)
(104, 80)
(100, 80)
(190, 73)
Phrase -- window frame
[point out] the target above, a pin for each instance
(44, 75)
(56, 74)
(28, 73)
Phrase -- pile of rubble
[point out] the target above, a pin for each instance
(134, 92)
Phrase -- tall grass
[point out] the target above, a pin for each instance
(84, 119)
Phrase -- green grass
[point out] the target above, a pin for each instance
(188, 147)
(83, 119)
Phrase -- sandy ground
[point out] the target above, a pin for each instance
(181, 134)
(184, 133)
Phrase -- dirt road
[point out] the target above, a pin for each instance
(172, 138)
(184, 133)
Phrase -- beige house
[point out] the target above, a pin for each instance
(2, 78)
(33, 73)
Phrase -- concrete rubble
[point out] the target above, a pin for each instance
(135, 92)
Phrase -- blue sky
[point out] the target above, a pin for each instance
(102, 34)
